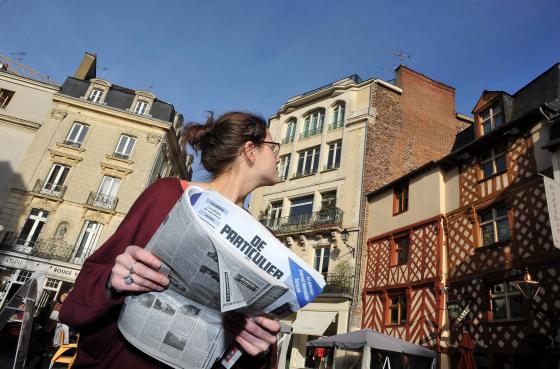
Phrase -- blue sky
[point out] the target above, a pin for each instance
(254, 55)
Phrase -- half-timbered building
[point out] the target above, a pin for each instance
(501, 229)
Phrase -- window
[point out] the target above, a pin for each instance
(275, 213)
(301, 209)
(124, 147)
(397, 309)
(308, 161)
(290, 131)
(338, 116)
(107, 193)
(491, 119)
(493, 161)
(55, 180)
(23, 276)
(400, 248)
(95, 95)
(506, 301)
(5, 97)
(141, 107)
(32, 228)
(321, 260)
(87, 240)
(333, 159)
(284, 167)
(494, 225)
(400, 198)
(76, 135)
(313, 123)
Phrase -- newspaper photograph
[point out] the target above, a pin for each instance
(218, 259)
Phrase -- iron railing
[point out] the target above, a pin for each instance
(49, 189)
(322, 219)
(121, 156)
(338, 283)
(311, 132)
(287, 140)
(72, 143)
(102, 201)
(46, 248)
(336, 125)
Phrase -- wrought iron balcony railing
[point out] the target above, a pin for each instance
(339, 283)
(49, 189)
(336, 125)
(47, 248)
(75, 144)
(102, 201)
(311, 132)
(322, 219)
(120, 156)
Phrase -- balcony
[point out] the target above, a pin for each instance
(319, 220)
(102, 201)
(75, 144)
(311, 132)
(49, 189)
(49, 248)
(120, 156)
(336, 125)
(338, 284)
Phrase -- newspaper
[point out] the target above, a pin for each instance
(218, 259)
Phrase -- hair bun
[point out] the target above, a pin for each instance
(196, 134)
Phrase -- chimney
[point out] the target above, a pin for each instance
(88, 67)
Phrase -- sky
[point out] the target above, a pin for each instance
(254, 55)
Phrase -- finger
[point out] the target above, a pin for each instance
(258, 332)
(251, 348)
(144, 256)
(271, 325)
(139, 284)
(150, 274)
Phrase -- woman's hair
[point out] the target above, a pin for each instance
(221, 140)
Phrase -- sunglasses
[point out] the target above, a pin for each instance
(274, 146)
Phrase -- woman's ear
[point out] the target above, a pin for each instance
(249, 151)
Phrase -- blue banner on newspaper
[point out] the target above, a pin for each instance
(305, 286)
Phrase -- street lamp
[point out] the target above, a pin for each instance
(528, 287)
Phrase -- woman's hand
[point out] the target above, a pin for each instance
(257, 334)
(145, 277)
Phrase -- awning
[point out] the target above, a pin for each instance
(313, 322)
(373, 339)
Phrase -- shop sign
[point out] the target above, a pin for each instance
(62, 273)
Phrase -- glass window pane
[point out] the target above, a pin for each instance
(487, 169)
(501, 211)
(499, 308)
(501, 163)
(394, 316)
(82, 134)
(503, 229)
(498, 120)
(403, 313)
(121, 144)
(498, 288)
(487, 231)
(485, 216)
(516, 306)
(486, 127)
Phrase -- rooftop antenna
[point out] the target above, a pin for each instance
(19, 55)
(400, 54)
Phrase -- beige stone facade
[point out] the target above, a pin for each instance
(83, 169)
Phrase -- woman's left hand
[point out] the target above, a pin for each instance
(257, 335)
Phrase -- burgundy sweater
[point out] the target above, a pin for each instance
(89, 310)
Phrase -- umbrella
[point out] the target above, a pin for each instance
(467, 347)
(373, 339)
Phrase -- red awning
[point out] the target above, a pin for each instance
(467, 347)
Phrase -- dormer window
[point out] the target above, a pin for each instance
(141, 107)
(491, 119)
(95, 95)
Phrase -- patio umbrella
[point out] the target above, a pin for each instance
(467, 347)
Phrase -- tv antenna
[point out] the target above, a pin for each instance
(19, 55)
(403, 56)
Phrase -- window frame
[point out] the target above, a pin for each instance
(491, 118)
(284, 167)
(398, 250)
(291, 126)
(509, 292)
(141, 107)
(123, 154)
(401, 200)
(320, 254)
(95, 95)
(76, 142)
(494, 221)
(339, 112)
(313, 125)
(398, 306)
(6, 96)
(334, 155)
(38, 221)
(494, 155)
(275, 213)
(91, 241)
(61, 176)
(315, 157)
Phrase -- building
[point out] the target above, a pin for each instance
(339, 142)
(450, 240)
(25, 101)
(98, 148)
(501, 228)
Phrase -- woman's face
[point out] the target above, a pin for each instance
(63, 296)
(267, 161)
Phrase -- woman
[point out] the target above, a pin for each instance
(61, 331)
(238, 151)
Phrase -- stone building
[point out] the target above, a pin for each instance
(97, 149)
(339, 142)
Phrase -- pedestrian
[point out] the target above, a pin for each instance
(237, 150)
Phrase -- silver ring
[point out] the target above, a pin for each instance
(131, 269)
(128, 280)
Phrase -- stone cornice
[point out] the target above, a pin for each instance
(64, 157)
(20, 122)
(104, 109)
(45, 86)
(115, 170)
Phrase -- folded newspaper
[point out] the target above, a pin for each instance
(218, 259)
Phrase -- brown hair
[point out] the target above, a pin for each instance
(220, 140)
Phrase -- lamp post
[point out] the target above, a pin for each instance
(528, 287)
